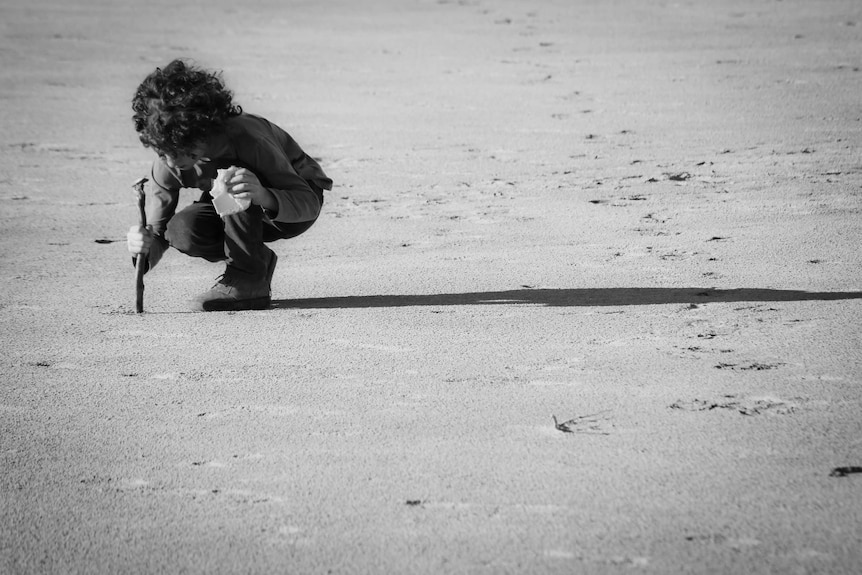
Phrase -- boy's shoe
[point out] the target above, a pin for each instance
(235, 292)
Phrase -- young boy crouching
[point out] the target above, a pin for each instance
(187, 116)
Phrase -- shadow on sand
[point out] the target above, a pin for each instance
(568, 297)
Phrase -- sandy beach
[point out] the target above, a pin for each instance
(585, 298)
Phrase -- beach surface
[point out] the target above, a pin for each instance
(585, 298)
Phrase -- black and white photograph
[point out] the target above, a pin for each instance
(431, 287)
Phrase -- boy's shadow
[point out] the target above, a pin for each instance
(568, 297)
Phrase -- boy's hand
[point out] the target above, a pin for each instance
(245, 185)
(139, 239)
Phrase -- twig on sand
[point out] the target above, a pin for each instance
(845, 471)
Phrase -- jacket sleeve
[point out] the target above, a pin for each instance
(297, 202)
(162, 195)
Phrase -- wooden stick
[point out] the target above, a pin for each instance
(141, 261)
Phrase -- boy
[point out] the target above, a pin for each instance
(187, 116)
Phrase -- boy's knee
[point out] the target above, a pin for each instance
(193, 232)
(179, 232)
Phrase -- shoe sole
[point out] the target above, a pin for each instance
(256, 303)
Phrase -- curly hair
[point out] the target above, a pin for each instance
(179, 106)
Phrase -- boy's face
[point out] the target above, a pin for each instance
(184, 160)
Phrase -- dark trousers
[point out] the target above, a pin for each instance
(199, 231)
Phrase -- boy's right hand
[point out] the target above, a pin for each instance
(139, 239)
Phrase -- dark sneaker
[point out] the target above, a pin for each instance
(234, 292)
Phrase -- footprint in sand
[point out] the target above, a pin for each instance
(748, 366)
(757, 405)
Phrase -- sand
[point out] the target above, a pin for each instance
(585, 297)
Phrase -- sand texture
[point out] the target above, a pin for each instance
(586, 296)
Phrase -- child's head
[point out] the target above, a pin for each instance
(178, 107)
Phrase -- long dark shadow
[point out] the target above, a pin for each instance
(568, 297)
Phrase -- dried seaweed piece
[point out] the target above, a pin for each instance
(590, 424)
